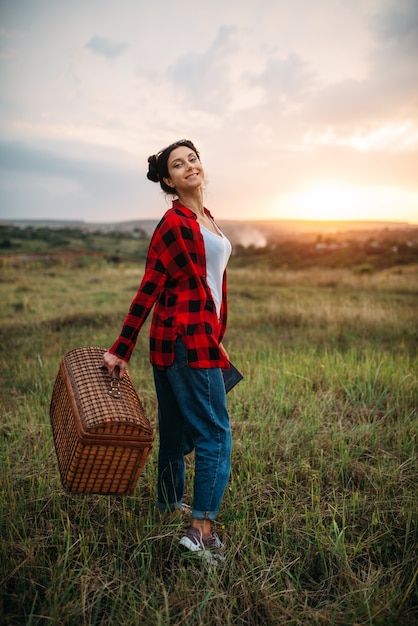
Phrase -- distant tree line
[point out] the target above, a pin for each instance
(361, 254)
(365, 256)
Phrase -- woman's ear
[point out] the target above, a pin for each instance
(169, 182)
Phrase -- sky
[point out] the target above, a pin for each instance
(301, 109)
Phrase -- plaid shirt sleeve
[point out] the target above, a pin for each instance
(175, 282)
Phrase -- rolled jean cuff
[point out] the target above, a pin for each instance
(204, 514)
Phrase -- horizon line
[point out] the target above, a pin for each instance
(266, 219)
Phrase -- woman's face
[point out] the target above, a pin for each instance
(185, 170)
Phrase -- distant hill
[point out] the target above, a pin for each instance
(246, 233)
(146, 225)
(262, 243)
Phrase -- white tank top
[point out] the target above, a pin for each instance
(218, 250)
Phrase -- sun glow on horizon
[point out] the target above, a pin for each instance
(331, 201)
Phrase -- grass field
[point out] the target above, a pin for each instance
(320, 513)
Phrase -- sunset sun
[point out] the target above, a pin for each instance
(331, 201)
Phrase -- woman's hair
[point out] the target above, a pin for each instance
(157, 164)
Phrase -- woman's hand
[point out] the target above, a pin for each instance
(110, 361)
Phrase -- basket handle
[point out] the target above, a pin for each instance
(114, 385)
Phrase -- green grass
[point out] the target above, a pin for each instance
(320, 512)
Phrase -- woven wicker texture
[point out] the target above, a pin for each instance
(102, 442)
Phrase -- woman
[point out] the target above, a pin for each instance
(185, 279)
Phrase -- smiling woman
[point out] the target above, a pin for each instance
(330, 201)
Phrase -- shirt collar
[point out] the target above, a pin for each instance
(178, 206)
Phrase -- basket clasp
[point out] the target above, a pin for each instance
(114, 385)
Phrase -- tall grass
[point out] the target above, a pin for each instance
(320, 512)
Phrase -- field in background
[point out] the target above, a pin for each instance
(363, 247)
(320, 513)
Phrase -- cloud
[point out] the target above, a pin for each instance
(36, 177)
(236, 73)
(287, 79)
(19, 157)
(96, 177)
(399, 24)
(203, 78)
(379, 111)
(395, 57)
(106, 47)
(7, 53)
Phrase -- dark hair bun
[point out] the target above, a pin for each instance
(153, 169)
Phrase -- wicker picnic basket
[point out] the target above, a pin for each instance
(102, 436)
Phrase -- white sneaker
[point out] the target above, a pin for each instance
(208, 548)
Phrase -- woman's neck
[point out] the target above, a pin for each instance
(193, 201)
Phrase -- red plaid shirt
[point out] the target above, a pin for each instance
(175, 281)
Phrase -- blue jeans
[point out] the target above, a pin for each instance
(192, 415)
